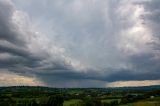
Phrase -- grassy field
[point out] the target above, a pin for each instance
(147, 102)
(143, 103)
(72, 101)
(110, 100)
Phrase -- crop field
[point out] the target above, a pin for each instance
(71, 102)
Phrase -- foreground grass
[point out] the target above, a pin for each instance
(147, 102)
(110, 100)
(144, 103)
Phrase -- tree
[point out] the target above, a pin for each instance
(56, 100)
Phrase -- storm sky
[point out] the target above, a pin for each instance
(80, 43)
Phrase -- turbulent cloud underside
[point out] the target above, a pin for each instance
(77, 43)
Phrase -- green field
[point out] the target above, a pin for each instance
(110, 100)
(147, 102)
(71, 102)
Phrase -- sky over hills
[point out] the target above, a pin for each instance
(80, 43)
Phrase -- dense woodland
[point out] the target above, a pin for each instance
(44, 96)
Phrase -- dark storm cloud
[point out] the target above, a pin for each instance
(8, 34)
(93, 79)
(129, 76)
(83, 44)
(14, 45)
(8, 31)
(147, 64)
(153, 16)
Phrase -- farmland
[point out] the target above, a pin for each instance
(45, 96)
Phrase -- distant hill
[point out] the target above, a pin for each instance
(27, 89)
(50, 89)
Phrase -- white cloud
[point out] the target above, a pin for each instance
(136, 37)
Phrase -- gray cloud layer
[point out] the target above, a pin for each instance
(80, 43)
